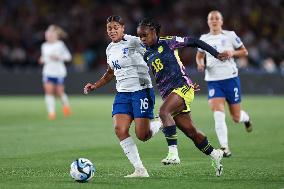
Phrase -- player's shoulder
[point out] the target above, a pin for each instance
(229, 32)
(131, 40)
(44, 44)
(109, 47)
(166, 38)
(204, 36)
(59, 43)
(128, 37)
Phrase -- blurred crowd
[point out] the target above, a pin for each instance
(23, 22)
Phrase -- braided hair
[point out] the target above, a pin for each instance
(153, 24)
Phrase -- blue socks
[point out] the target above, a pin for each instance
(170, 134)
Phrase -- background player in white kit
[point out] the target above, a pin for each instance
(53, 55)
(222, 77)
(135, 98)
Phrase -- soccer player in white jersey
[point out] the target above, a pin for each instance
(222, 77)
(53, 55)
(135, 98)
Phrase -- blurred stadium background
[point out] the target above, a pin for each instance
(22, 25)
(36, 153)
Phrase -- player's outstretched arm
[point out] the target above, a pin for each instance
(193, 42)
(106, 78)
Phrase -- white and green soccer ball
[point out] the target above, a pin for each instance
(82, 170)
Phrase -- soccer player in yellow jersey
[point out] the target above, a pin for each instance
(174, 85)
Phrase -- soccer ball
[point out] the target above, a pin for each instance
(82, 170)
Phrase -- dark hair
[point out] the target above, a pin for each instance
(115, 18)
(152, 23)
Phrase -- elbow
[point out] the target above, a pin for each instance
(68, 59)
(246, 52)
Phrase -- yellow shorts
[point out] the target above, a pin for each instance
(187, 94)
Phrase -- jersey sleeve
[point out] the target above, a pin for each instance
(43, 56)
(236, 41)
(41, 52)
(199, 49)
(139, 47)
(65, 53)
(107, 56)
(175, 42)
(181, 42)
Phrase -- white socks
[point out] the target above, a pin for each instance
(221, 128)
(64, 99)
(215, 154)
(244, 117)
(50, 103)
(173, 149)
(155, 127)
(131, 151)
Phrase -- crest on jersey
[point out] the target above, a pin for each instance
(160, 49)
(125, 52)
(211, 92)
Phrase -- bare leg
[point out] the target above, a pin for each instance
(122, 124)
(64, 99)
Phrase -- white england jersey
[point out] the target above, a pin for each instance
(53, 68)
(126, 59)
(216, 69)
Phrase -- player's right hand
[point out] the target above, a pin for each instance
(195, 87)
(88, 87)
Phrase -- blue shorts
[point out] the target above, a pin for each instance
(138, 104)
(54, 80)
(230, 89)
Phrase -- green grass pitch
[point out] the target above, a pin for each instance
(37, 153)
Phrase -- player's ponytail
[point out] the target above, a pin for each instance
(152, 23)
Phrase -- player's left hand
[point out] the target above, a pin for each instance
(88, 88)
(195, 86)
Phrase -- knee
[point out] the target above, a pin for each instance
(163, 113)
(143, 135)
(121, 131)
(142, 138)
